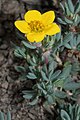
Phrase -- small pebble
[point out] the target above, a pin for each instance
(5, 85)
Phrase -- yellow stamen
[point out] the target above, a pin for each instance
(36, 26)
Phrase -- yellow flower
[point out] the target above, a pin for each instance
(36, 26)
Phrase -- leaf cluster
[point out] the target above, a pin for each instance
(51, 76)
(70, 112)
(8, 117)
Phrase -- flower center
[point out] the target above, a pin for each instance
(36, 26)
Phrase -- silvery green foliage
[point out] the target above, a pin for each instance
(70, 12)
(51, 81)
(8, 116)
(71, 112)
(70, 19)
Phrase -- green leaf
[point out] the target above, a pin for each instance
(60, 94)
(67, 11)
(73, 42)
(62, 6)
(31, 76)
(1, 116)
(34, 59)
(20, 69)
(78, 112)
(32, 63)
(50, 99)
(44, 75)
(77, 20)
(35, 101)
(67, 38)
(59, 83)
(78, 47)
(52, 65)
(78, 39)
(68, 21)
(56, 74)
(44, 69)
(61, 21)
(66, 71)
(67, 45)
(28, 94)
(8, 115)
(16, 53)
(77, 7)
(20, 52)
(75, 68)
(28, 45)
(42, 89)
(64, 115)
(50, 74)
(58, 36)
(70, 5)
(71, 86)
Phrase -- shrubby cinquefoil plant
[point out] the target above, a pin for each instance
(45, 62)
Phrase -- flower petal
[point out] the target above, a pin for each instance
(22, 26)
(35, 37)
(48, 17)
(52, 29)
(32, 15)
